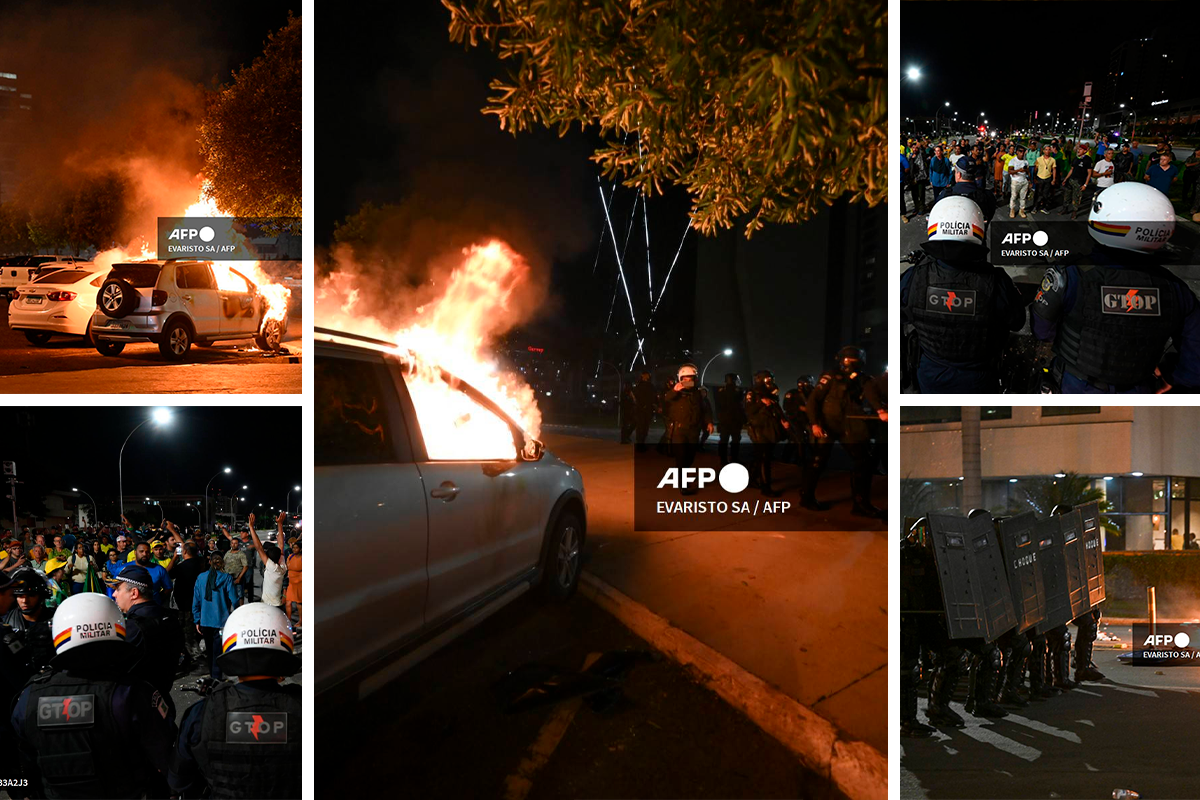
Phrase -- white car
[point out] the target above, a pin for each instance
(18, 270)
(176, 304)
(421, 548)
(61, 301)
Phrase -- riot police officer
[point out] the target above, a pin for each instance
(835, 411)
(30, 620)
(795, 404)
(766, 425)
(646, 399)
(1088, 626)
(152, 629)
(731, 418)
(686, 413)
(14, 666)
(243, 740)
(86, 728)
(961, 308)
(1110, 319)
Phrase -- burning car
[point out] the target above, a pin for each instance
(59, 302)
(437, 506)
(177, 303)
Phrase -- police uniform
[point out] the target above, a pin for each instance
(764, 423)
(646, 398)
(686, 413)
(795, 405)
(155, 632)
(731, 418)
(35, 637)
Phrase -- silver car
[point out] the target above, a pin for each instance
(414, 551)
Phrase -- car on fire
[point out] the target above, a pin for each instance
(58, 302)
(419, 549)
(176, 304)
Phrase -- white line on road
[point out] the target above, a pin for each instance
(1087, 722)
(1042, 727)
(1131, 690)
(1085, 691)
(989, 736)
(1090, 768)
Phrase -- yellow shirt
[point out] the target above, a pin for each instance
(1045, 167)
(104, 548)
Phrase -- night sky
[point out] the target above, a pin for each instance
(77, 447)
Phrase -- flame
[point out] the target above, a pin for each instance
(451, 333)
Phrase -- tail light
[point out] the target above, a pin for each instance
(158, 297)
(15, 294)
(56, 296)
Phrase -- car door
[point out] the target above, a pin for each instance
(238, 312)
(371, 514)
(198, 292)
(485, 513)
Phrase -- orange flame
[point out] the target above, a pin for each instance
(451, 333)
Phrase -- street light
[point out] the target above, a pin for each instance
(94, 510)
(160, 417)
(195, 508)
(914, 74)
(161, 516)
(226, 470)
(288, 504)
(726, 352)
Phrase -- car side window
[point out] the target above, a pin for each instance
(357, 410)
(194, 276)
(98, 281)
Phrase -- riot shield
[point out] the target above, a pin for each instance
(1093, 553)
(1048, 533)
(974, 584)
(1020, 548)
(1071, 524)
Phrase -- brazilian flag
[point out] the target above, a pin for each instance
(93, 582)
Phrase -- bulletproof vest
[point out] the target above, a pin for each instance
(81, 752)
(729, 399)
(163, 642)
(39, 645)
(250, 742)
(685, 412)
(763, 421)
(1120, 323)
(953, 313)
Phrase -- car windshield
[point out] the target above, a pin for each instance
(140, 276)
(63, 276)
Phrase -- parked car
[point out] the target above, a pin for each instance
(176, 304)
(18, 270)
(60, 302)
(416, 549)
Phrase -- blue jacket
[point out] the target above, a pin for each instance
(940, 171)
(213, 613)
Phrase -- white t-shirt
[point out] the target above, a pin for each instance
(954, 157)
(1105, 169)
(1018, 163)
(272, 591)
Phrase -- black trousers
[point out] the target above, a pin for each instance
(760, 469)
(918, 196)
(860, 481)
(729, 444)
(642, 425)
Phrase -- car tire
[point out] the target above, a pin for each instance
(564, 558)
(176, 340)
(106, 347)
(37, 338)
(116, 298)
(269, 338)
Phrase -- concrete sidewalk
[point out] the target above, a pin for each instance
(806, 611)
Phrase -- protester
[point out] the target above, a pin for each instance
(213, 600)
(1191, 177)
(1018, 175)
(940, 172)
(1076, 181)
(184, 577)
(236, 564)
(293, 590)
(1160, 174)
(77, 567)
(273, 570)
(55, 569)
(37, 558)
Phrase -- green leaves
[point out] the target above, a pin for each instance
(764, 111)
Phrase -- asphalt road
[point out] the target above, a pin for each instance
(1134, 730)
(440, 731)
(72, 365)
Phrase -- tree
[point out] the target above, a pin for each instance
(250, 136)
(764, 111)
(362, 228)
(1043, 494)
(14, 228)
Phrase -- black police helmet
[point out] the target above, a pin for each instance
(804, 380)
(28, 581)
(764, 377)
(851, 359)
(732, 379)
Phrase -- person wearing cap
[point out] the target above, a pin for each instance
(14, 556)
(212, 601)
(30, 619)
(152, 629)
(243, 739)
(112, 568)
(1110, 319)
(960, 307)
(159, 576)
(86, 727)
(55, 572)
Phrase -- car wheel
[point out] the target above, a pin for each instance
(109, 348)
(564, 558)
(117, 298)
(176, 340)
(270, 336)
(38, 338)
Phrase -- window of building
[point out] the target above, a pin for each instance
(1067, 411)
(930, 415)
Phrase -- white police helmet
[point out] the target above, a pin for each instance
(956, 219)
(84, 627)
(257, 640)
(1132, 216)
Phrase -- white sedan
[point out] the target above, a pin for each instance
(60, 302)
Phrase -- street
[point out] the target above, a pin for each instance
(441, 731)
(69, 365)
(1133, 730)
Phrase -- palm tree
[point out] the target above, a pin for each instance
(1073, 490)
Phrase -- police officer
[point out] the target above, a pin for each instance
(243, 740)
(14, 666)
(86, 728)
(153, 630)
(1110, 319)
(686, 413)
(766, 426)
(646, 399)
(835, 411)
(1088, 625)
(731, 418)
(961, 307)
(30, 620)
(795, 403)
(628, 409)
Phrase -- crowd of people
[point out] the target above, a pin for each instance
(806, 423)
(107, 617)
(1040, 176)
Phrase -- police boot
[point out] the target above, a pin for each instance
(985, 685)
(972, 682)
(808, 492)
(1060, 666)
(909, 725)
(940, 692)
(1011, 693)
(1085, 670)
(862, 499)
(1039, 689)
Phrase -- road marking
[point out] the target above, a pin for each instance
(1085, 691)
(518, 785)
(1131, 690)
(988, 736)
(1090, 768)
(910, 784)
(1086, 722)
(1042, 727)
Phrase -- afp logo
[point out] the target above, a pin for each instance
(1037, 238)
(1132, 301)
(205, 234)
(1180, 639)
(733, 477)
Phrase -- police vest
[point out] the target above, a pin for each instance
(69, 723)
(1120, 323)
(685, 413)
(953, 313)
(250, 742)
(163, 641)
(839, 400)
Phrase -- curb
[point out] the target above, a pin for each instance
(856, 768)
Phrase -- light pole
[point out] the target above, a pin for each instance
(226, 470)
(287, 508)
(197, 510)
(89, 497)
(160, 417)
(161, 516)
(726, 352)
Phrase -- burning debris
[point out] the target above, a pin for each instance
(453, 332)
